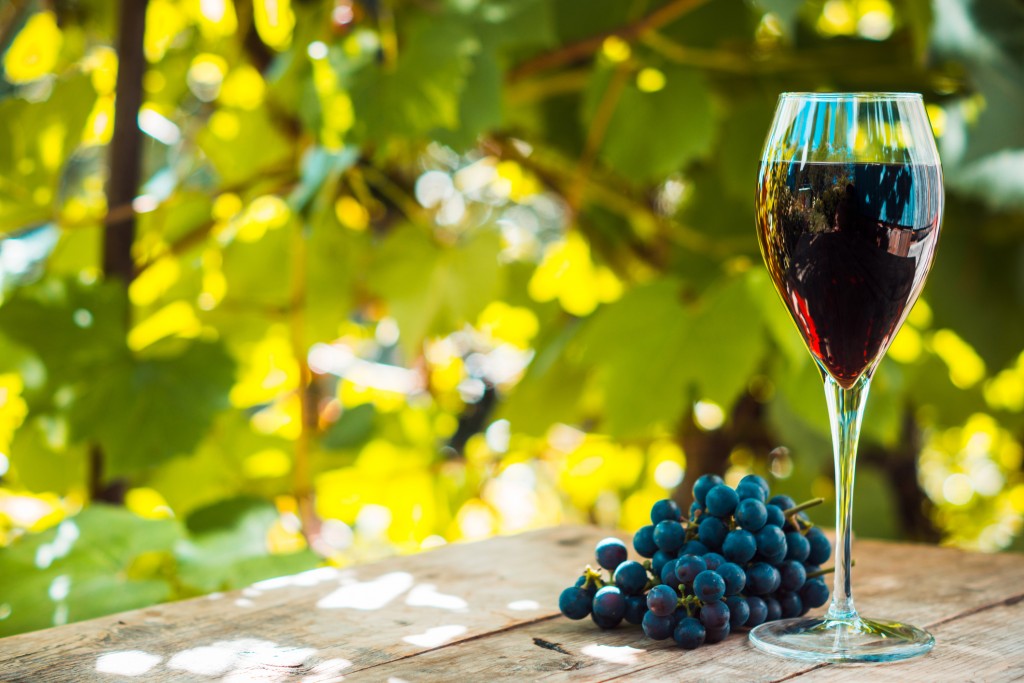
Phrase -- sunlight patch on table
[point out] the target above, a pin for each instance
(368, 595)
(426, 595)
(437, 636)
(616, 654)
(127, 663)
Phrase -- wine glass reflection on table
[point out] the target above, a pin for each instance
(849, 207)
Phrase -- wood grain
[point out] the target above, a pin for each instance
(487, 611)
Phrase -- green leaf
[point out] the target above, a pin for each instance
(422, 91)
(42, 457)
(480, 107)
(432, 289)
(241, 145)
(145, 411)
(352, 429)
(83, 568)
(227, 546)
(652, 134)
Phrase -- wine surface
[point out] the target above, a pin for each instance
(848, 246)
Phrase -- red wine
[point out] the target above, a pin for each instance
(848, 246)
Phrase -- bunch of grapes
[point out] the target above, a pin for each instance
(739, 559)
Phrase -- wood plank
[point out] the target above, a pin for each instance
(334, 620)
(987, 645)
(920, 584)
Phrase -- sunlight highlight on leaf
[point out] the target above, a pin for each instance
(35, 49)
(147, 503)
(966, 368)
(568, 274)
(243, 88)
(177, 319)
(164, 21)
(274, 22)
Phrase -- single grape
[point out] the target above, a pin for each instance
(659, 560)
(590, 589)
(575, 603)
(657, 627)
(739, 611)
(751, 491)
(694, 547)
(704, 484)
(782, 502)
(668, 574)
(774, 515)
(740, 546)
(665, 510)
(662, 600)
(791, 604)
(733, 575)
(821, 547)
(708, 586)
(712, 560)
(751, 514)
(643, 541)
(669, 535)
(758, 611)
(610, 553)
(759, 482)
(609, 607)
(721, 501)
(689, 634)
(762, 578)
(636, 608)
(814, 593)
(714, 614)
(711, 531)
(793, 575)
(774, 609)
(716, 635)
(797, 546)
(688, 567)
(771, 542)
(630, 577)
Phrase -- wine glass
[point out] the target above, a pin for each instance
(849, 205)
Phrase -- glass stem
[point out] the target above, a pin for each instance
(845, 412)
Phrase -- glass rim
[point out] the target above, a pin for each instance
(851, 96)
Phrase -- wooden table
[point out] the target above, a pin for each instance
(487, 611)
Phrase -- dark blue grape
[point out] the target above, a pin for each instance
(712, 560)
(782, 502)
(734, 576)
(704, 484)
(659, 560)
(793, 575)
(688, 567)
(775, 559)
(797, 546)
(696, 510)
(636, 608)
(758, 611)
(716, 635)
(656, 627)
(694, 547)
(714, 614)
(711, 531)
(609, 607)
(721, 501)
(740, 546)
(665, 510)
(774, 515)
(750, 491)
(591, 589)
(771, 542)
(610, 553)
(668, 574)
(791, 604)
(669, 535)
(575, 603)
(814, 593)
(630, 577)
(643, 541)
(689, 634)
(774, 609)
(662, 600)
(739, 611)
(757, 481)
(709, 586)
(762, 578)
(821, 547)
(751, 514)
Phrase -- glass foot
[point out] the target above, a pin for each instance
(832, 640)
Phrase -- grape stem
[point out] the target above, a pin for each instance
(802, 506)
(592, 577)
(827, 570)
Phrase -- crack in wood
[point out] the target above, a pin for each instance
(548, 645)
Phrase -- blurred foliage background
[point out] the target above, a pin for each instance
(370, 276)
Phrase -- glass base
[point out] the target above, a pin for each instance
(833, 640)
